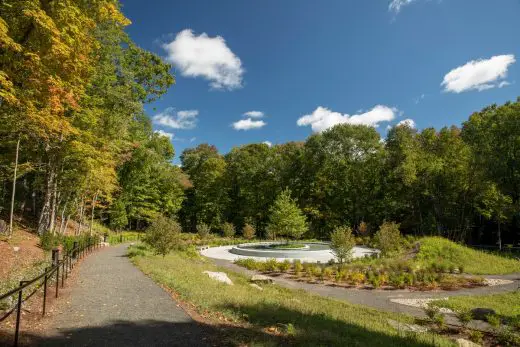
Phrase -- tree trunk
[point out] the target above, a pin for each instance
(81, 215)
(499, 237)
(46, 214)
(14, 187)
(66, 225)
(92, 213)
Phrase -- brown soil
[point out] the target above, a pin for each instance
(29, 252)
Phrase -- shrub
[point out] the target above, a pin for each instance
(476, 336)
(341, 243)
(328, 273)
(340, 275)
(248, 231)
(397, 280)
(298, 267)
(464, 316)
(357, 277)
(49, 241)
(228, 230)
(461, 269)
(162, 234)
(435, 316)
(203, 230)
(284, 266)
(271, 265)
(388, 237)
(248, 263)
(363, 229)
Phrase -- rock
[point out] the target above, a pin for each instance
(482, 313)
(407, 327)
(3, 226)
(261, 279)
(254, 285)
(16, 248)
(466, 343)
(219, 276)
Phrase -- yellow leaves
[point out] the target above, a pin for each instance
(6, 42)
(110, 12)
(7, 92)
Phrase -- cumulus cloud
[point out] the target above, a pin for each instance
(322, 118)
(248, 124)
(407, 122)
(254, 114)
(479, 74)
(207, 57)
(164, 133)
(269, 143)
(186, 119)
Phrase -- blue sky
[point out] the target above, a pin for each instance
(306, 65)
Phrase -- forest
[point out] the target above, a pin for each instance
(77, 145)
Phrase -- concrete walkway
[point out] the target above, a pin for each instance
(115, 304)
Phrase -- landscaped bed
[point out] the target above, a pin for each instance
(286, 317)
(383, 275)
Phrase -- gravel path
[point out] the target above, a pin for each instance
(115, 304)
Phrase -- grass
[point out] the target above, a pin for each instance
(440, 250)
(300, 318)
(505, 305)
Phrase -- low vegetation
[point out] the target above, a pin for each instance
(162, 235)
(299, 318)
(382, 275)
(446, 253)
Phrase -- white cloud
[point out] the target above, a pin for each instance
(193, 139)
(503, 84)
(186, 119)
(478, 74)
(254, 114)
(407, 122)
(248, 124)
(164, 133)
(396, 5)
(322, 118)
(207, 57)
(269, 143)
(420, 98)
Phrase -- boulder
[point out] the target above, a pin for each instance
(219, 276)
(254, 285)
(16, 248)
(261, 279)
(466, 343)
(480, 313)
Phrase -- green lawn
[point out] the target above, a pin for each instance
(440, 250)
(506, 305)
(301, 318)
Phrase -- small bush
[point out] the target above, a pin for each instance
(297, 266)
(228, 230)
(162, 235)
(271, 265)
(203, 230)
(357, 278)
(340, 275)
(388, 237)
(248, 231)
(464, 316)
(49, 241)
(284, 266)
(476, 336)
(435, 316)
(342, 242)
(328, 273)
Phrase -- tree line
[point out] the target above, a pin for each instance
(75, 142)
(460, 183)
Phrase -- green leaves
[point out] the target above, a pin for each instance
(286, 219)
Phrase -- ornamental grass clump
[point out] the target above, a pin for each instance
(248, 231)
(284, 266)
(298, 267)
